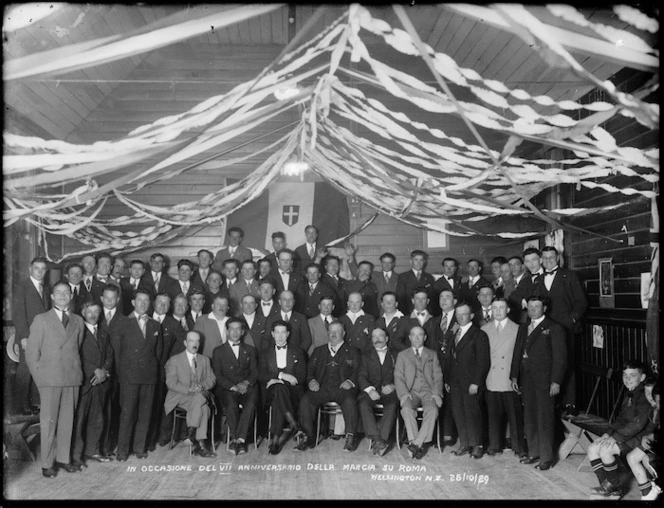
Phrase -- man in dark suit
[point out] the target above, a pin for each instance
(97, 363)
(567, 304)
(468, 290)
(103, 276)
(54, 361)
(413, 278)
(285, 278)
(319, 324)
(234, 249)
(531, 283)
(282, 372)
(332, 375)
(278, 243)
(32, 297)
(312, 290)
(449, 280)
(255, 323)
(91, 287)
(246, 285)
(538, 366)
(265, 267)
(138, 349)
(196, 305)
(395, 324)
(331, 277)
(386, 278)
(200, 275)
(309, 251)
(357, 324)
(365, 286)
(118, 270)
(382, 280)
(300, 335)
(267, 307)
(483, 315)
(466, 367)
(130, 284)
(420, 315)
(184, 284)
(236, 370)
(156, 279)
(213, 289)
(74, 275)
(518, 270)
(376, 377)
(189, 378)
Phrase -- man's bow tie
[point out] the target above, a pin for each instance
(281, 347)
(421, 313)
(265, 304)
(552, 272)
(235, 344)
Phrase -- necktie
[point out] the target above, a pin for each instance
(443, 322)
(311, 252)
(193, 363)
(417, 275)
(184, 324)
(531, 327)
(387, 277)
(141, 323)
(108, 317)
(486, 315)
(327, 323)
(135, 284)
(204, 274)
(88, 284)
(94, 331)
(75, 290)
(65, 318)
(185, 287)
(500, 327)
(40, 287)
(311, 289)
(248, 284)
(194, 375)
(195, 314)
(286, 318)
(535, 278)
(417, 356)
(457, 337)
(281, 347)
(156, 282)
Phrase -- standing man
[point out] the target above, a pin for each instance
(184, 285)
(196, 304)
(531, 283)
(54, 361)
(91, 287)
(498, 283)
(97, 363)
(449, 280)
(138, 348)
(365, 286)
(357, 324)
(267, 307)
(299, 335)
(376, 378)
(413, 278)
(331, 265)
(484, 313)
(200, 275)
(318, 325)
(189, 378)
(467, 364)
(74, 276)
(246, 285)
(567, 304)
(255, 323)
(312, 290)
(385, 279)
(130, 284)
(213, 289)
(278, 243)
(393, 322)
(32, 297)
(282, 372)
(118, 271)
(420, 315)
(156, 279)
(234, 250)
(468, 290)
(419, 382)
(308, 252)
(285, 277)
(502, 402)
(236, 370)
(538, 366)
(332, 375)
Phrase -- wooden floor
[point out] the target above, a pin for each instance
(325, 472)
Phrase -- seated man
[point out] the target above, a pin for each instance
(283, 369)
(639, 459)
(189, 378)
(332, 375)
(377, 384)
(621, 437)
(419, 382)
(236, 370)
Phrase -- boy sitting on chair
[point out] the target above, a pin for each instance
(639, 459)
(621, 437)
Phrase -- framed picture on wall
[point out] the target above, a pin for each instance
(434, 240)
(606, 293)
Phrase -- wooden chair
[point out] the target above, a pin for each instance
(327, 408)
(420, 415)
(180, 414)
(378, 411)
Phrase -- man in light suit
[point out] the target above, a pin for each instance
(282, 372)
(376, 378)
(234, 250)
(190, 378)
(309, 251)
(318, 325)
(212, 326)
(97, 363)
(467, 363)
(502, 402)
(54, 361)
(245, 285)
(567, 304)
(418, 379)
(538, 367)
(449, 280)
(236, 369)
(32, 297)
(300, 335)
(413, 278)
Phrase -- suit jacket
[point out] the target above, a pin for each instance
(241, 254)
(397, 331)
(175, 289)
(406, 282)
(296, 365)
(358, 334)
(501, 347)
(469, 293)
(309, 302)
(478, 319)
(440, 341)
(239, 290)
(567, 299)
(428, 326)
(382, 286)
(166, 284)
(318, 333)
(52, 354)
(198, 280)
(300, 335)
(128, 293)
(545, 353)
(26, 304)
(229, 370)
(96, 289)
(338, 286)
(294, 282)
(173, 337)
(525, 289)
(254, 335)
(372, 373)
(405, 369)
(138, 356)
(179, 378)
(301, 258)
(347, 356)
(113, 329)
(438, 287)
(369, 294)
(211, 336)
(96, 353)
(468, 362)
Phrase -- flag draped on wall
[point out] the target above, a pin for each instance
(290, 207)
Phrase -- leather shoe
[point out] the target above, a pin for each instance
(521, 455)
(205, 452)
(70, 468)
(152, 447)
(493, 451)
(529, 460)
(49, 472)
(544, 466)
(79, 464)
(449, 442)
(98, 458)
(421, 452)
(478, 452)
(121, 458)
(274, 448)
(382, 447)
(241, 448)
(351, 443)
(142, 455)
(462, 451)
(164, 442)
(412, 450)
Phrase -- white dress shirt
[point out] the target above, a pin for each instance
(353, 317)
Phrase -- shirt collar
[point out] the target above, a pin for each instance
(190, 357)
(90, 327)
(502, 322)
(324, 318)
(36, 282)
(156, 274)
(355, 316)
(157, 317)
(415, 349)
(464, 328)
(136, 315)
(536, 322)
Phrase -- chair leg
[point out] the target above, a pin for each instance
(398, 431)
(370, 444)
(437, 429)
(269, 423)
(317, 428)
(228, 437)
(256, 430)
(212, 433)
(175, 423)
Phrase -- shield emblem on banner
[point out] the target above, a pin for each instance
(290, 214)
